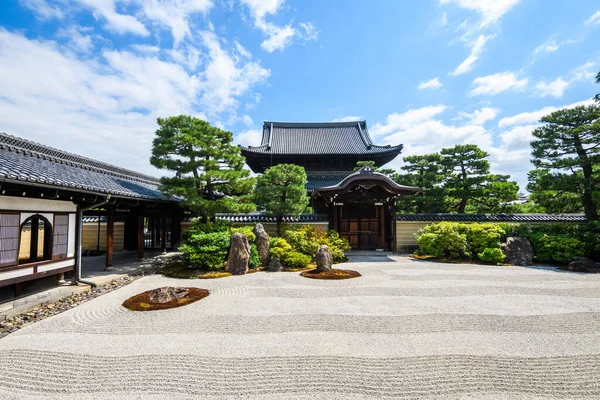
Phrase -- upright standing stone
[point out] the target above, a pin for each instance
(518, 251)
(239, 254)
(275, 265)
(324, 259)
(262, 244)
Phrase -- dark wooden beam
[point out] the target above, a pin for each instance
(163, 234)
(110, 237)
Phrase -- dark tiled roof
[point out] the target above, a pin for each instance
(318, 138)
(259, 217)
(365, 173)
(29, 162)
(493, 217)
(103, 219)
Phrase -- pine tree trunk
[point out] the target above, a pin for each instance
(279, 225)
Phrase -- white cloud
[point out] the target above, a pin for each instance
(489, 10)
(406, 120)
(43, 9)
(497, 83)
(430, 84)
(549, 46)
(251, 137)
(112, 100)
(594, 19)
(348, 118)
(278, 37)
(309, 31)
(174, 14)
(585, 72)
(476, 49)
(118, 23)
(555, 88)
(534, 116)
(79, 40)
(481, 116)
(241, 50)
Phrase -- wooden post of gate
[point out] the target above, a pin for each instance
(381, 227)
(163, 234)
(110, 236)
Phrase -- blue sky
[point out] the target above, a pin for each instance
(92, 76)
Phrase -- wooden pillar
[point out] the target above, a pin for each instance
(334, 211)
(381, 227)
(35, 233)
(175, 227)
(163, 234)
(140, 236)
(110, 236)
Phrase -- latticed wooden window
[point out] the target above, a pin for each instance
(61, 236)
(9, 239)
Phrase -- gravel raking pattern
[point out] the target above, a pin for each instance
(405, 329)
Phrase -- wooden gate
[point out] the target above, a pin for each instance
(361, 225)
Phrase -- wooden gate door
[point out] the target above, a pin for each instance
(361, 226)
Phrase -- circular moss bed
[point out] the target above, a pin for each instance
(144, 302)
(334, 274)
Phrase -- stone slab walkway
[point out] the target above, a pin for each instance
(405, 329)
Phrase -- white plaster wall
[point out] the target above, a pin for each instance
(38, 205)
(55, 265)
(72, 238)
(48, 216)
(16, 273)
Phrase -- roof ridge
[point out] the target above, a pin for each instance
(32, 148)
(283, 124)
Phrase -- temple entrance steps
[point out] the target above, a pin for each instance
(368, 256)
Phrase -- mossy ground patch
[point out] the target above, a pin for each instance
(334, 274)
(141, 302)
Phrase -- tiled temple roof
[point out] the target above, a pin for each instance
(33, 163)
(259, 217)
(492, 217)
(318, 138)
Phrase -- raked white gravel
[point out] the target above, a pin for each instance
(405, 329)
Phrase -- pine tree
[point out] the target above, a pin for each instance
(424, 172)
(566, 153)
(209, 174)
(281, 191)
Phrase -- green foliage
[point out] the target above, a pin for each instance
(443, 240)
(424, 172)
(279, 247)
(453, 240)
(246, 230)
(198, 226)
(208, 168)
(281, 191)
(306, 239)
(254, 260)
(337, 245)
(468, 180)
(566, 155)
(483, 236)
(491, 255)
(206, 250)
(295, 260)
(555, 248)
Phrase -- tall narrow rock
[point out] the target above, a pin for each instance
(324, 258)
(239, 254)
(262, 244)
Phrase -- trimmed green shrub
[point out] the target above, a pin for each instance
(254, 260)
(484, 236)
(206, 250)
(198, 227)
(443, 240)
(279, 247)
(294, 259)
(246, 230)
(555, 248)
(491, 255)
(306, 239)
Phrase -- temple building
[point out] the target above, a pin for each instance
(360, 205)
